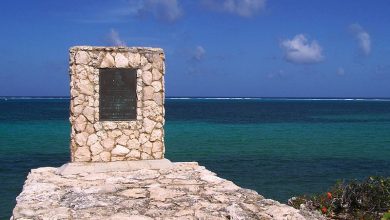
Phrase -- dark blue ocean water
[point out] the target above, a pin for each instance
(278, 147)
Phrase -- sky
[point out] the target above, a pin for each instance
(214, 48)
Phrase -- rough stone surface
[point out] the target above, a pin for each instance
(121, 61)
(83, 154)
(147, 77)
(120, 150)
(180, 191)
(148, 92)
(96, 148)
(97, 139)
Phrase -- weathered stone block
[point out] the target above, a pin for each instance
(82, 154)
(121, 61)
(120, 150)
(147, 77)
(95, 140)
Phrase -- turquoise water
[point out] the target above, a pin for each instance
(278, 147)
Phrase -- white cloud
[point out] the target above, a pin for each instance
(299, 50)
(121, 11)
(198, 53)
(114, 39)
(340, 71)
(276, 74)
(363, 38)
(244, 8)
(195, 57)
(162, 10)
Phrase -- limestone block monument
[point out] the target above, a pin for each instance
(117, 118)
(117, 103)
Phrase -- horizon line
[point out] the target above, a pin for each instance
(222, 97)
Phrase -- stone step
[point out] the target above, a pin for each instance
(116, 166)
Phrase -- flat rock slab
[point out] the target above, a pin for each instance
(149, 190)
(105, 167)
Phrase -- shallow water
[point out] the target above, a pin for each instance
(278, 147)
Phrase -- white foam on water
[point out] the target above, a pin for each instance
(214, 98)
(278, 99)
(217, 98)
(28, 98)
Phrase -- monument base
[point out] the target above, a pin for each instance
(116, 166)
(142, 190)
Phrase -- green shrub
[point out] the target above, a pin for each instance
(386, 216)
(367, 199)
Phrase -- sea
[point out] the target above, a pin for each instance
(280, 147)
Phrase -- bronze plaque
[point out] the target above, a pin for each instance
(117, 94)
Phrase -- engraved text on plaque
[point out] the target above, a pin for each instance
(117, 94)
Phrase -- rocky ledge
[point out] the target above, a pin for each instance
(141, 190)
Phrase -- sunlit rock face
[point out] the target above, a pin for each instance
(145, 189)
(97, 140)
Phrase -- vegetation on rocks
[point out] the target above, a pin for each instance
(367, 199)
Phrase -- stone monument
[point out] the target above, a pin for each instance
(117, 103)
(117, 117)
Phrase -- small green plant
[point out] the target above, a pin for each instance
(367, 199)
(386, 216)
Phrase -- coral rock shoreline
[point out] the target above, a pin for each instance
(141, 190)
